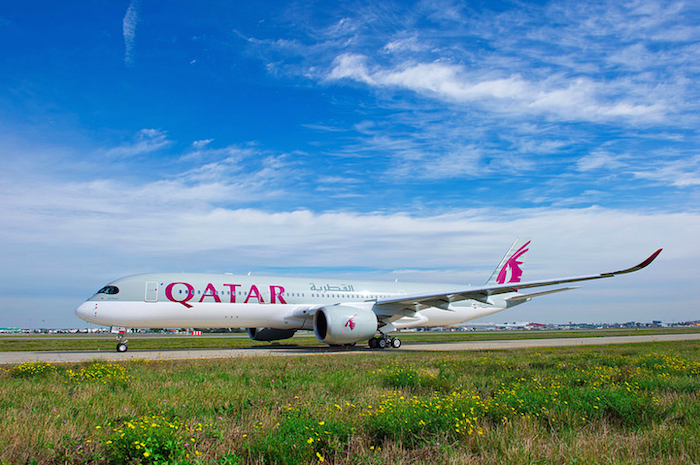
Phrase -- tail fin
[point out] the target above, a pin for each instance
(509, 270)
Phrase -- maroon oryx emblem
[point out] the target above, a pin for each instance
(513, 265)
(350, 323)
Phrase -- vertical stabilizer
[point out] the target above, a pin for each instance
(510, 269)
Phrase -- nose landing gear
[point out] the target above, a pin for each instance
(121, 344)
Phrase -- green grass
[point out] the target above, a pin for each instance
(145, 342)
(608, 404)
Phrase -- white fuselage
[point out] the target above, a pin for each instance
(227, 301)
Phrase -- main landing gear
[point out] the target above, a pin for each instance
(384, 341)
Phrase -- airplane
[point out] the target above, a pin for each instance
(340, 312)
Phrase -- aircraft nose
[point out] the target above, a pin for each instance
(83, 311)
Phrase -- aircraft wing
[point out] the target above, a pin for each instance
(443, 299)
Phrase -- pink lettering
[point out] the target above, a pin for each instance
(210, 291)
(190, 294)
(254, 292)
(232, 287)
(276, 293)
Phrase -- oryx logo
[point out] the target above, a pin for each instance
(512, 265)
(350, 323)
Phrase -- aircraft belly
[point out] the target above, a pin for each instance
(439, 317)
(456, 315)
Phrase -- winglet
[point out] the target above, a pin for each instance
(644, 264)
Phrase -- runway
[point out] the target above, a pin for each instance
(190, 354)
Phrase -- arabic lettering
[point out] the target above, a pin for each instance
(332, 288)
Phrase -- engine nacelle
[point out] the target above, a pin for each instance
(270, 334)
(340, 324)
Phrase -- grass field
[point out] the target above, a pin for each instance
(609, 404)
(13, 343)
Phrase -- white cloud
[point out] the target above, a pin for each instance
(145, 141)
(228, 176)
(352, 66)
(604, 62)
(406, 44)
(200, 144)
(635, 56)
(459, 162)
(580, 99)
(683, 173)
(134, 217)
(343, 28)
(598, 160)
(129, 23)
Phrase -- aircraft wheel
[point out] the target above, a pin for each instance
(395, 342)
(372, 343)
(121, 347)
(381, 343)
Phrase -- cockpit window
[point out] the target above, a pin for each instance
(109, 290)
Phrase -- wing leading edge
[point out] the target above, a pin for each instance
(442, 300)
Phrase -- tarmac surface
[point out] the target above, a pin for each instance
(189, 354)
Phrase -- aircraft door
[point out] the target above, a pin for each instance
(151, 292)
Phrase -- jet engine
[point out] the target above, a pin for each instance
(341, 324)
(270, 334)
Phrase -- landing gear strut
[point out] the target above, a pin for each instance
(384, 341)
(121, 345)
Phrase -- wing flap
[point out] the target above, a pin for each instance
(521, 297)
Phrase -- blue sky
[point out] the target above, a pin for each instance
(385, 140)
